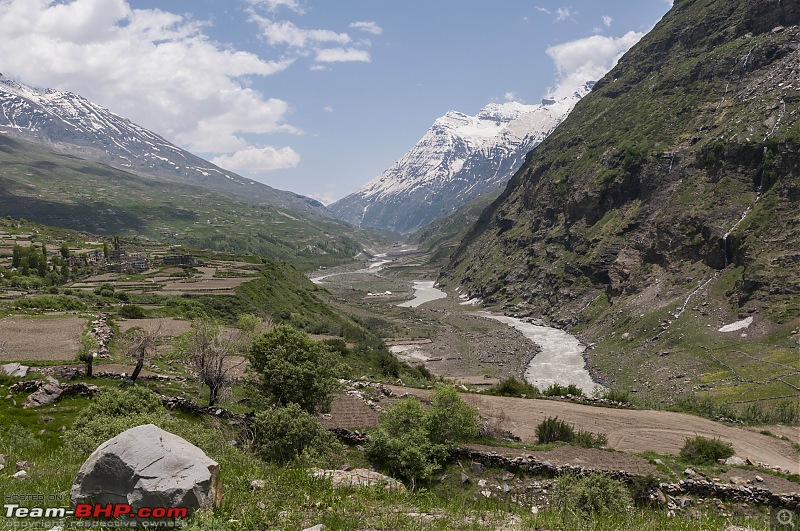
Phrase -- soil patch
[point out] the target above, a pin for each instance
(39, 339)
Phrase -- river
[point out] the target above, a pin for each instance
(560, 359)
(423, 292)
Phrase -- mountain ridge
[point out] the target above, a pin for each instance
(71, 124)
(459, 158)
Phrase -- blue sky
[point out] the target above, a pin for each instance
(313, 96)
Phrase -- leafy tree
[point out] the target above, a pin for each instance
(64, 250)
(414, 443)
(293, 369)
(286, 433)
(16, 256)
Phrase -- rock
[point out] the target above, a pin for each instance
(735, 461)
(759, 479)
(318, 527)
(690, 472)
(658, 462)
(146, 466)
(47, 394)
(477, 467)
(534, 510)
(257, 484)
(481, 482)
(749, 461)
(20, 475)
(23, 465)
(464, 478)
(358, 477)
(15, 369)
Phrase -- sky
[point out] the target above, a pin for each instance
(313, 96)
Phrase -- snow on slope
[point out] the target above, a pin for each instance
(458, 159)
(71, 124)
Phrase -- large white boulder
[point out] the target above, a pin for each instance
(146, 466)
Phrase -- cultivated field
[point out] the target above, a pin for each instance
(40, 339)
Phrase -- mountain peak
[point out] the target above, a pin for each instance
(458, 159)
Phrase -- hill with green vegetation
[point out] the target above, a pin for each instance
(65, 191)
(663, 208)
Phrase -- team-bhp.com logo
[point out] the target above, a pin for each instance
(115, 511)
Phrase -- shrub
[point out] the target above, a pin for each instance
(588, 439)
(293, 369)
(55, 302)
(592, 495)
(702, 450)
(414, 443)
(616, 395)
(131, 311)
(553, 430)
(514, 387)
(561, 390)
(284, 434)
(111, 413)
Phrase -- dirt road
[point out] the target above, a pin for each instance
(628, 430)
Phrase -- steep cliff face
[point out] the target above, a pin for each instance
(681, 167)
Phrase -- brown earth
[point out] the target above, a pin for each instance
(627, 430)
(38, 339)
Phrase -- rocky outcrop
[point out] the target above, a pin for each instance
(357, 477)
(14, 369)
(146, 466)
(705, 488)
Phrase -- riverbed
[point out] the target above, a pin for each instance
(424, 291)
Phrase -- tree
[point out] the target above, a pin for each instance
(293, 369)
(210, 354)
(87, 352)
(16, 256)
(142, 345)
(64, 250)
(105, 251)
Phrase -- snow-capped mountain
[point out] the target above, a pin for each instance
(458, 159)
(70, 124)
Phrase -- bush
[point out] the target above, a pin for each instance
(111, 413)
(561, 390)
(616, 395)
(293, 369)
(592, 495)
(514, 387)
(131, 311)
(553, 430)
(414, 443)
(702, 450)
(286, 433)
(55, 302)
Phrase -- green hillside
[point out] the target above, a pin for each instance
(65, 191)
(664, 207)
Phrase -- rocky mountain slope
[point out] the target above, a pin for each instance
(670, 190)
(460, 158)
(70, 124)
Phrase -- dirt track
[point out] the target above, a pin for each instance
(628, 430)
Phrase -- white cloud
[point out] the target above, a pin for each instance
(542, 9)
(273, 5)
(510, 96)
(335, 55)
(254, 160)
(607, 21)
(588, 59)
(154, 67)
(565, 13)
(368, 26)
(327, 108)
(288, 33)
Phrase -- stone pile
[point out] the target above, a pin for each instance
(102, 333)
(183, 404)
(699, 487)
